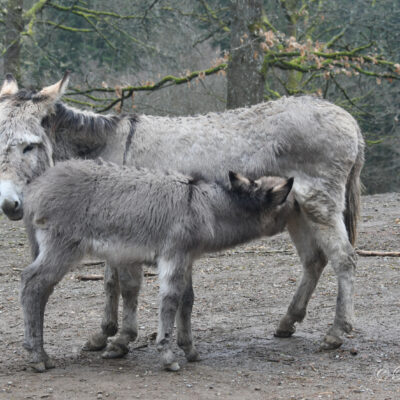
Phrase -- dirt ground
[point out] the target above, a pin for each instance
(240, 297)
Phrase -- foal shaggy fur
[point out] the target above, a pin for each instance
(135, 217)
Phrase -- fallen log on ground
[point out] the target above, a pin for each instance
(377, 253)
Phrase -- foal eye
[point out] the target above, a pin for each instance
(28, 148)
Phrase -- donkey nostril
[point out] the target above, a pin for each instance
(16, 205)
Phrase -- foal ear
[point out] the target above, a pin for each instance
(239, 182)
(54, 92)
(279, 193)
(10, 86)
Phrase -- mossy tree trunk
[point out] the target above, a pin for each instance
(14, 26)
(245, 81)
(290, 8)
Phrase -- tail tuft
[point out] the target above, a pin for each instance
(353, 195)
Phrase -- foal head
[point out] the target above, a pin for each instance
(267, 197)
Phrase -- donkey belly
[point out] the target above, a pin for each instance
(121, 252)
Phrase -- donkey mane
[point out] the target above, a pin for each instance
(84, 134)
(74, 119)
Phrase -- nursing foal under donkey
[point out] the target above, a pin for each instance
(317, 142)
(137, 216)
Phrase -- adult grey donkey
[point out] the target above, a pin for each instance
(131, 217)
(318, 143)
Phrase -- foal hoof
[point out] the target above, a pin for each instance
(115, 350)
(96, 342)
(38, 366)
(173, 367)
(330, 343)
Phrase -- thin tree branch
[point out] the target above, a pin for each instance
(127, 91)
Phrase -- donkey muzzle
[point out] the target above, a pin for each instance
(10, 200)
(13, 209)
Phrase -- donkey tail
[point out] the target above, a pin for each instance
(353, 194)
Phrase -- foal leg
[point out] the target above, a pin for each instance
(172, 276)
(37, 283)
(109, 323)
(314, 261)
(183, 320)
(130, 280)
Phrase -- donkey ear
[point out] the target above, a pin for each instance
(10, 86)
(279, 193)
(54, 92)
(239, 182)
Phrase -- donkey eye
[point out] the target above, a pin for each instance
(28, 148)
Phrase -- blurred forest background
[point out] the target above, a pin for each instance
(181, 57)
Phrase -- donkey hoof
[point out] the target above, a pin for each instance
(38, 366)
(174, 367)
(286, 328)
(95, 343)
(115, 350)
(284, 333)
(49, 363)
(330, 343)
(193, 355)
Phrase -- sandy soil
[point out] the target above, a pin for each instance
(240, 297)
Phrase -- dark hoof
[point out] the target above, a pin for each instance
(115, 350)
(38, 366)
(284, 334)
(193, 356)
(330, 343)
(95, 343)
(49, 363)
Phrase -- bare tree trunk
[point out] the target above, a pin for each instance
(245, 81)
(14, 26)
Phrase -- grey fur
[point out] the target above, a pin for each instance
(131, 217)
(318, 143)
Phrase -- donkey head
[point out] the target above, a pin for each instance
(25, 149)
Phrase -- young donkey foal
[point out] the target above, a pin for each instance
(132, 216)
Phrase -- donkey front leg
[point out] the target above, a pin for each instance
(183, 320)
(109, 323)
(172, 276)
(130, 280)
(37, 283)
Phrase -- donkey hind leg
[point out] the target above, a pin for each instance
(183, 320)
(172, 276)
(37, 283)
(336, 245)
(130, 280)
(314, 261)
(109, 323)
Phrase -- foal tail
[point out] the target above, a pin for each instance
(353, 193)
